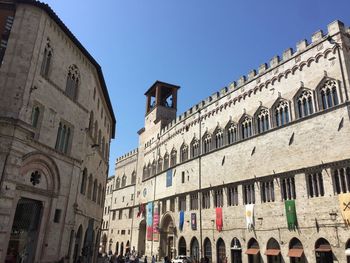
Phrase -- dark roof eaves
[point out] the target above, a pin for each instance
(54, 16)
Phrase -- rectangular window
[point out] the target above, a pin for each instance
(267, 191)
(172, 205)
(206, 200)
(248, 194)
(194, 201)
(57, 216)
(122, 232)
(315, 185)
(183, 177)
(132, 197)
(182, 203)
(120, 215)
(64, 135)
(341, 180)
(130, 212)
(288, 188)
(219, 198)
(232, 195)
(163, 206)
(113, 215)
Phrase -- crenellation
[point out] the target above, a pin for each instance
(274, 61)
(335, 27)
(287, 54)
(262, 68)
(241, 80)
(302, 45)
(317, 36)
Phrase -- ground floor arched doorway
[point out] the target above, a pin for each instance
(77, 244)
(142, 238)
(104, 243)
(236, 251)
(220, 251)
(122, 249)
(207, 249)
(25, 230)
(117, 248)
(323, 251)
(182, 246)
(195, 249)
(167, 237)
(127, 247)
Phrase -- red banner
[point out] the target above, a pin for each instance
(149, 233)
(219, 219)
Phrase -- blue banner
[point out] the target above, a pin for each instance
(150, 214)
(182, 218)
(169, 178)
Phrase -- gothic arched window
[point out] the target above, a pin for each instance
(304, 102)
(183, 153)
(83, 182)
(159, 164)
(133, 177)
(166, 161)
(35, 116)
(219, 138)
(281, 111)
(124, 180)
(262, 120)
(117, 183)
(154, 168)
(47, 57)
(72, 83)
(173, 157)
(194, 147)
(231, 132)
(206, 142)
(328, 94)
(246, 127)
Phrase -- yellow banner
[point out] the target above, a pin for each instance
(344, 203)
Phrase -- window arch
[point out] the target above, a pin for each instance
(207, 249)
(231, 132)
(246, 126)
(218, 138)
(63, 137)
(173, 157)
(253, 250)
(89, 187)
(182, 246)
(159, 164)
(304, 103)
(273, 251)
(220, 250)
(281, 113)
(91, 122)
(35, 116)
(94, 191)
(117, 183)
(328, 94)
(206, 142)
(184, 152)
(133, 177)
(83, 182)
(47, 57)
(166, 161)
(149, 168)
(124, 180)
(145, 172)
(296, 249)
(194, 148)
(262, 120)
(153, 168)
(323, 251)
(72, 83)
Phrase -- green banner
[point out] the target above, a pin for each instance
(291, 214)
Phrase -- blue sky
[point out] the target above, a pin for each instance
(201, 45)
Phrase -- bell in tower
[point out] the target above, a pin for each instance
(161, 102)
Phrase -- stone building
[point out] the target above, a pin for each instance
(257, 172)
(56, 124)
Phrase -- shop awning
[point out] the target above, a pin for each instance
(324, 248)
(272, 252)
(252, 251)
(295, 252)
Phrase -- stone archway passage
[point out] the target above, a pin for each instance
(182, 246)
(323, 251)
(25, 230)
(207, 249)
(236, 251)
(220, 251)
(195, 249)
(167, 237)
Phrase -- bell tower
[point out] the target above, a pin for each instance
(161, 103)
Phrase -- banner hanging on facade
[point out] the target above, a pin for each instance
(291, 214)
(169, 178)
(194, 221)
(219, 222)
(249, 216)
(344, 204)
(141, 210)
(149, 221)
(156, 224)
(181, 221)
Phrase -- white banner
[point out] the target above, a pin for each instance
(249, 216)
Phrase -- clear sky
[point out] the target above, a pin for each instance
(201, 45)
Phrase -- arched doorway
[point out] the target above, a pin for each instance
(127, 248)
(220, 251)
(182, 246)
(296, 251)
(207, 249)
(236, 251)
(117, 248)
(122, 249)
(323, 251)
(77, 244)
(167, 236)
(142, 238)
(253, 251)
(25, 229)
(347, 251)
(195, 249)
(273, 251)
(104, 243)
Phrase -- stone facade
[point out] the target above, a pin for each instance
(56, 124)
(277, 137)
